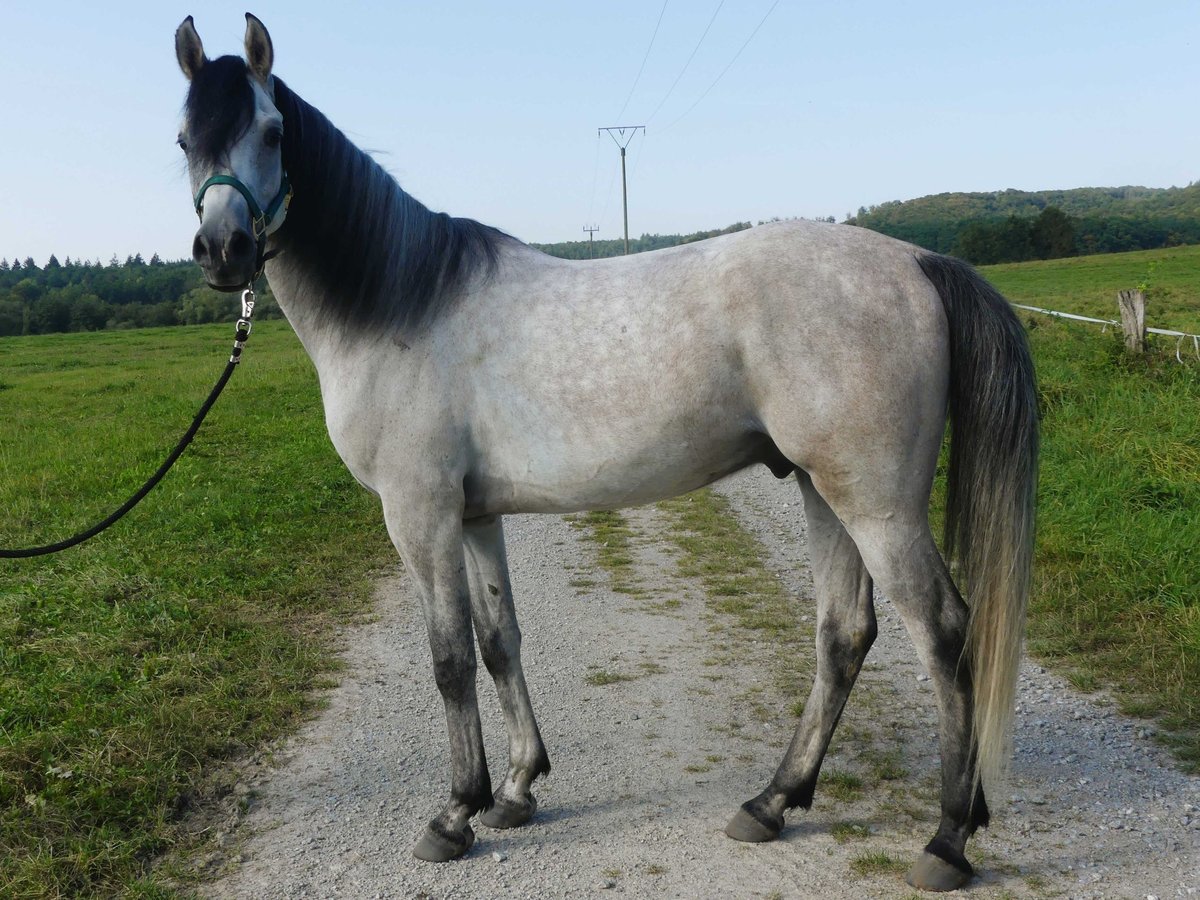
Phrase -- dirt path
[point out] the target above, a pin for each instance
(660, 719)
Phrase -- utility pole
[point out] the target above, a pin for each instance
(617, 133)
(590, 230)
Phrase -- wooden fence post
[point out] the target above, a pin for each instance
(1133, 319)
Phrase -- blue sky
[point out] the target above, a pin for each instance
(490, 110)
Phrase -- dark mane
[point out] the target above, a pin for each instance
(380, 257)
(389, 260)
(219, 108)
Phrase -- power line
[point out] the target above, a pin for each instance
(689, 61)
(644, 58)
(745, 44)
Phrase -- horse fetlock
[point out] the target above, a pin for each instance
(541, 763)
(980, 815)
(468, 800)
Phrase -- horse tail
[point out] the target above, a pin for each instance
(991, 487)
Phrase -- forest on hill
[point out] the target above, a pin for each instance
(1001, 226)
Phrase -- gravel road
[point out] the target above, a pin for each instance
(648, 768)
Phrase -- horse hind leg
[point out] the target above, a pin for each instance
(901, 554)
(845, 631)
(500, 646)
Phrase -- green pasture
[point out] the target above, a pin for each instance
(191, 631)
(134, 669)
(1088, 285)
(1116, 599)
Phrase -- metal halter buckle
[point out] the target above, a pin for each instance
(244, 325)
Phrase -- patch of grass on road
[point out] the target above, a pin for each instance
(845, 832)
(842, 786)
(730, 563)
(612, 537)
(605, 677)
(866, 865)
(133, 666)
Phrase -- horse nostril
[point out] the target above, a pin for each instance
(200, 249)
(240, 245)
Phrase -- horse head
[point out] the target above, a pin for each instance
(232, 135)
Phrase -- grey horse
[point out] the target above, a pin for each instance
(466, 376)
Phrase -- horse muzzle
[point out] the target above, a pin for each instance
(227, 256)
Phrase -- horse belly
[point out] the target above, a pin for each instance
(617, 470)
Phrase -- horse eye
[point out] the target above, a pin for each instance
(182, 144)
(273, 137)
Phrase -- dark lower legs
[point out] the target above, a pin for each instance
(500, 646)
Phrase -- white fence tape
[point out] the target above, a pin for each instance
(1178, 335)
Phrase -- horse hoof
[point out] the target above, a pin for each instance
(440, 846)
(506, 814)
(932, 873)
(745, 827)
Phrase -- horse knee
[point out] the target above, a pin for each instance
(844, 648)
(453, 672)
(500, 648)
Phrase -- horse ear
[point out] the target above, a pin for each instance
(188, 49)
(260, 55)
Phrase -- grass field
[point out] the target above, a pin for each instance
(134, 667)
(1117, 599)
(193, 629)
(1088, 285)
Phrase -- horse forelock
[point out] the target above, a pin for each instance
(219, 108)
(377, 257)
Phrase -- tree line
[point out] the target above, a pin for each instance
(83, 295)
(1049, 235)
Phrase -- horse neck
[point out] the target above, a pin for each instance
(333, 259)
(359, 256)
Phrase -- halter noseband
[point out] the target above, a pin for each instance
(264, 222)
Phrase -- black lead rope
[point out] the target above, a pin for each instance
(243, 332)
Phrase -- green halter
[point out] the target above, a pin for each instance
(263, 221)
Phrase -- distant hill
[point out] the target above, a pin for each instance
(1106, 220)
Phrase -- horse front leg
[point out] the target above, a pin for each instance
(500, 646)
(430, 540)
